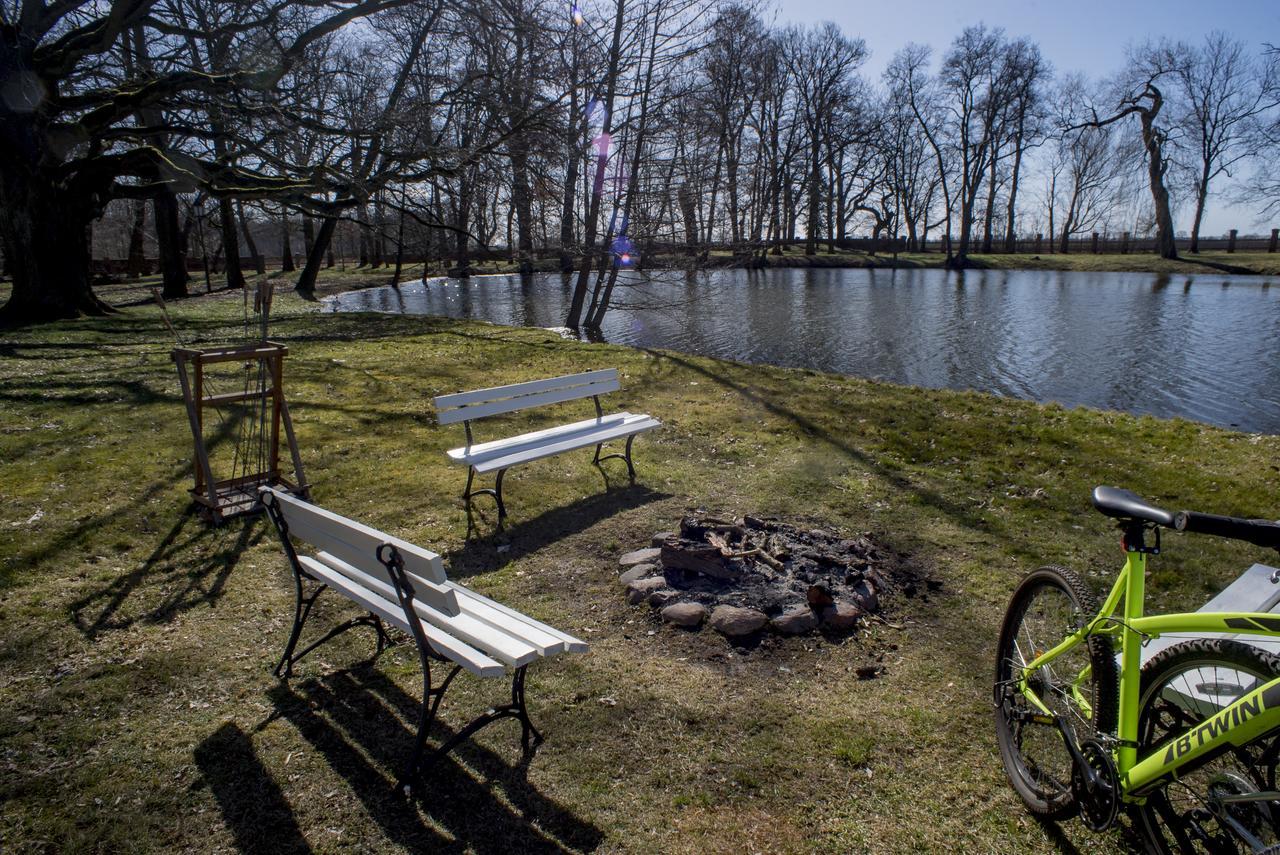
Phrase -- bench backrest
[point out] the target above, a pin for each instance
(464, 406)
(356, 545)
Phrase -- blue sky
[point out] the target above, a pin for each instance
(1088, 36)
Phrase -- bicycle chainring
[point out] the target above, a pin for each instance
(1098, 809)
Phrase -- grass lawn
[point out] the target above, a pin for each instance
(137, 707)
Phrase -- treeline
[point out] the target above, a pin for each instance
(228, 129)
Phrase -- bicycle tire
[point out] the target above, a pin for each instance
(1050, 603)
(1178, 817)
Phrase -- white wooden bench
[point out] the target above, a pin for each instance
(500, 455)
(1256, 590)
(405, 586)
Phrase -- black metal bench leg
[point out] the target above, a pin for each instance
(384, 640)
(496, 492)
(530, 738)
(302, 608)
(431, 698)
(527, 730)
(631, 469)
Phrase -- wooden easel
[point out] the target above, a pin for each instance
(218, 499)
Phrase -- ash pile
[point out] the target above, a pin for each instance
(746, 576)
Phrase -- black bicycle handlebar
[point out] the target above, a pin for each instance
(1257, 532)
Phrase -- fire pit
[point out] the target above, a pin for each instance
(744, 576)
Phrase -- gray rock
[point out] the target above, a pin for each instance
(637, 573)
(639, 556)
(661, 538)
(864, 594)
(660, 598)
(795, 622)
(639, 591)
(688, 615)
(736, 622)
(819, 596)
(841, 617)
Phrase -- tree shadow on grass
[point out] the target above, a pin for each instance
(776, 406)
(1219, 266)
(480, 553)
(252, 804)
(189, 567)
(363, 724)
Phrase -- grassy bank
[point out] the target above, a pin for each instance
(137, 710)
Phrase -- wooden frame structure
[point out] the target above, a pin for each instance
(217, 499)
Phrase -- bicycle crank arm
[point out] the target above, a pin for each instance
(1092, 780)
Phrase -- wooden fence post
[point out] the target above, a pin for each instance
(1275, 238)
(1095, 243)
(1124, 244)
(1231, 241)
(1040, 239)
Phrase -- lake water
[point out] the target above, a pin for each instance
(1205, 347)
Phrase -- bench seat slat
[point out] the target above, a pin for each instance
(545, 643)
(459, 651)
(511, 405)
(482, 449)
(513, 390)
(635, 424)
(495, 642)
(571, 644)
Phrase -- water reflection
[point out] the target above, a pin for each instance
(1126, 341)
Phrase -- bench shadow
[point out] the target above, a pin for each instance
(364, 724)
(189, 567)
(483, 552)
(251, 802)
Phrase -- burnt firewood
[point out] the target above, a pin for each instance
(697, 557)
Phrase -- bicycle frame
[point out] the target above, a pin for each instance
(1236, 724)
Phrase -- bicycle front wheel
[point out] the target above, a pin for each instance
(1079, 687)
(1202, 811)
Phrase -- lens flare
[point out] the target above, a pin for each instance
(623, 250)
(576, 16)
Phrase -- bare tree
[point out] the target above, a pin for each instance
(1136, 94)
(822, 61)
(1221, 92)
(71, 141)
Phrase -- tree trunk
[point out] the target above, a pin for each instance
(987, 236)
(1202, 195)
(286, 247)
(259, 263)
(46, 245)
(574, 318)
(520, 201)
(1156, 166)
(137, 249)
(815, 197)
(308, 234)
(172, 242)
(230, 244)
(307, 279)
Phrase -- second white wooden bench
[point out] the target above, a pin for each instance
(405, 586)
(502, 454)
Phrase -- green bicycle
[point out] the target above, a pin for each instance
(1189, 742)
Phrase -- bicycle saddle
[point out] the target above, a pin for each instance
(1126, 505)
